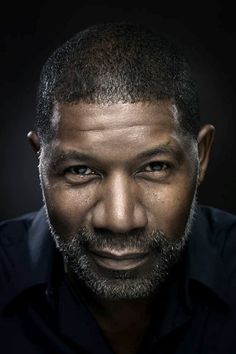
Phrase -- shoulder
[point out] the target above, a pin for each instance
(222, 234)
(218, 218)
(221, 225)
(14, 245)
(14, 230)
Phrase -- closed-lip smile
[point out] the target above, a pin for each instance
(119, 261)
(119, 257)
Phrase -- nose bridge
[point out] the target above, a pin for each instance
(119, 209)
(119, 198)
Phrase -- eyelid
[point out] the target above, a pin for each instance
(167, 163)
(77, 179)
(80, 166)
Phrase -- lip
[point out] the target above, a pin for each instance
(119, 262)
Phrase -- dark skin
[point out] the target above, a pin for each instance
(137, 170)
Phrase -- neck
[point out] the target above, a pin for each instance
(123, 322)
(121, 313)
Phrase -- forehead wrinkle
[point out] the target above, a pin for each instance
(101, 117)
(126, 127)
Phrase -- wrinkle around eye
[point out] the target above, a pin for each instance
(73, 177)
(161, 175)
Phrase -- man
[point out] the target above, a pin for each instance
(121, 259)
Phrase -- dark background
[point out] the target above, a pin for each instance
(30, 32)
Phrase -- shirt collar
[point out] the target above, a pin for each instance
(32, 259)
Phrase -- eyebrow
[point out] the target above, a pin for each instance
(63, 156)
(160, 150)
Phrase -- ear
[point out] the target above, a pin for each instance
(205, 140)
(34, 141)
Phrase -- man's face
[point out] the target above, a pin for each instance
(119, 183)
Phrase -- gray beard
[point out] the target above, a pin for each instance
(122, 284)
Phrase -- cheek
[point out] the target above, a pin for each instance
(67, 207)
(169, 207)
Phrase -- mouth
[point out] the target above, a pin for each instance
(115, 261)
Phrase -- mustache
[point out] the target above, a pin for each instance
(134, 241)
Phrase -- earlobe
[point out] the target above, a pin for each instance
(34, 141)
(205, 141)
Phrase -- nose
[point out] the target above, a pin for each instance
(119, 208)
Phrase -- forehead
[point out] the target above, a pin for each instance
(115, 116)
(117, 126)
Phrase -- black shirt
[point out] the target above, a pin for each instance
(40, 312)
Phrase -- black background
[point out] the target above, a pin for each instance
(30, 32)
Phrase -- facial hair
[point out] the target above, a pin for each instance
(122, 284)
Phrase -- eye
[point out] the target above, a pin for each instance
(80, 170)
(79, 174)
(156, 166)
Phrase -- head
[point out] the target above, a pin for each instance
(121, 155)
